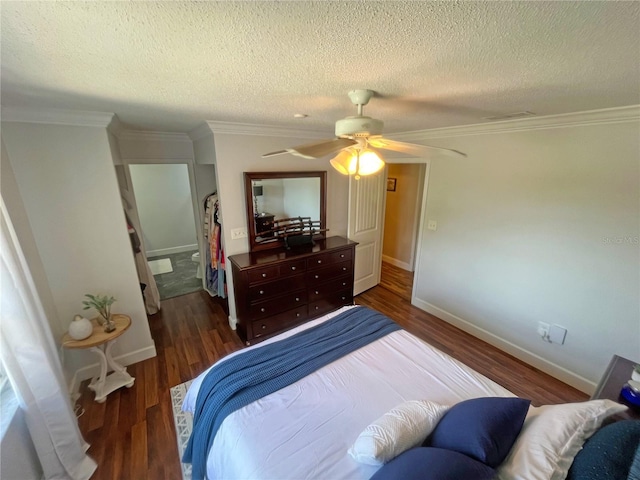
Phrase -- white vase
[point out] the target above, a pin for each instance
(635, 375)
(80, 328)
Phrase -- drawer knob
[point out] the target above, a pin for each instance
(319, 261)
(317, 292)
(264, 327)
(342, 255)
(297, 299)
(264, 275)
(317, 307)
(344, 269)
(344, 284)
(262, 291)
(317, 276)
(262, 309)
(293, 268)
(343, 298)
(297, 314)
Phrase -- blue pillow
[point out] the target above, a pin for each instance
(610, 453)
(482, 428)
(423, 463)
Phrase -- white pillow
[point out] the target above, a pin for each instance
(551, 437)
(400, 429)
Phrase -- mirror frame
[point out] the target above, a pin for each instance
(249, 177)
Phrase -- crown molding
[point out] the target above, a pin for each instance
(52, 116)
(261, 130)
(199, 132)
(591, 117)
(151, 136)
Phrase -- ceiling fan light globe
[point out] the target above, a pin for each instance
(343, 162)
(370, 163)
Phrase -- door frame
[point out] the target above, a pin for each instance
(417, 249)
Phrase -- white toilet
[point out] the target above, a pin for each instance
(196, 259)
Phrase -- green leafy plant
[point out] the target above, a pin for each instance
(101, 303)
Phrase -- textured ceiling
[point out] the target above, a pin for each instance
(172, 65)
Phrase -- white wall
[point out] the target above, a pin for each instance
(165, 208)
(538, 224)
(15, 207)
(67, 182)
(238, 153)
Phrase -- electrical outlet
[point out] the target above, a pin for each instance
(557, 334)
(432, 225)
(543, 331)
(238, 233)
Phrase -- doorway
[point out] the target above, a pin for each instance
(165, 209)
(403, 206)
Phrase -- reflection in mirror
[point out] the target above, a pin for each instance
(278, 198)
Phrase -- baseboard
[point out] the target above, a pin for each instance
(233, 322)
(397, 263)
(523, 354)
(172, 250)
(93, 370)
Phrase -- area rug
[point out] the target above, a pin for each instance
(183, 422)
(162, 265)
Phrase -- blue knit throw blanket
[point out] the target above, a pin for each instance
(250, 376)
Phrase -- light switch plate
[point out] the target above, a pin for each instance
(238, 233)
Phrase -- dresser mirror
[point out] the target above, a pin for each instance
(278, 201)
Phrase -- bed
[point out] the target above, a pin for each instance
(306, 429)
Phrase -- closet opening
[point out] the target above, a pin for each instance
(169, 228)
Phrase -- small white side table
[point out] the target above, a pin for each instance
(101, 342)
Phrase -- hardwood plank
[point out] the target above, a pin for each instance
(151, 379)
(172, 368)
(397, 280)
(139, 466)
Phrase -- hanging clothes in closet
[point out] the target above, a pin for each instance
(214, 261)
(150, 293)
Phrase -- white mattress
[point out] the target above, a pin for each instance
(304, 430)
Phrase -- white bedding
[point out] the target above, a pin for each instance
(305, 430)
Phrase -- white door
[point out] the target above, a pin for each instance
(365, 226)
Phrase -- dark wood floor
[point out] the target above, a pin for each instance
(132, 434)
(397, 280)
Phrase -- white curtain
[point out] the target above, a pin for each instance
(29, 355)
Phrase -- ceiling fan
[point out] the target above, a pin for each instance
(356, 143)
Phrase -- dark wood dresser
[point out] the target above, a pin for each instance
(278, 289)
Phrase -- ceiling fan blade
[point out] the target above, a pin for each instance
(273, 154)
(412, 148)
(317, 149)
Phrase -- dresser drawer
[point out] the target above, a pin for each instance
(330, 288)
(263, 274)
(265, 291)
(324, 259)
(277, 323)
(329, 303)
(325, 274)
(273, 272)
(278, 304)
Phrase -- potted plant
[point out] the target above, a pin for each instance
(102, 304)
